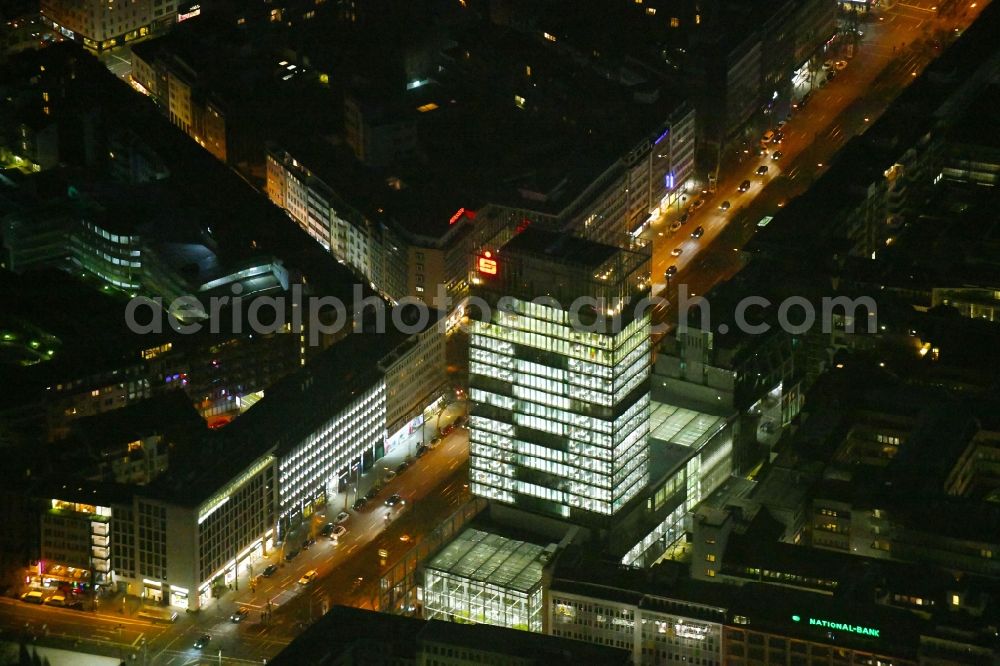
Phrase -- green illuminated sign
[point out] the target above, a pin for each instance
(839, 626)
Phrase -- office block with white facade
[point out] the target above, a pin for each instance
(103, 24)
(558, 376)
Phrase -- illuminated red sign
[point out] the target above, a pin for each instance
(487, 264)
(471, 214)
(525, 223)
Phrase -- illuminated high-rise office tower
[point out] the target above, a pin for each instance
(559, 376)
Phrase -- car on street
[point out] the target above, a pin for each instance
(777, 155)
(291, 555)
(33, 597)
(372, 492)
(326, 529)
(389, 476)
(676, 252)
(394, 499)
(338, 532)
(202, 642)
(421, 450)
(269, 570)
(698, 233)
(684, 217)
(675, 225)
(308, 542)
(341, 517)
(840, 65)
(308, 577)
(768, 135)
(744, 186)
(401, 467)
(724, 206)
(698, 203)
(762, 169)
(778, 137)
(360, 503)
(670, 272)
(239, 616)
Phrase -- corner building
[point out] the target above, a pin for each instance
(559, 376)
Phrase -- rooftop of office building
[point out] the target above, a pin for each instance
(537, 262)
(243, 223)
(290, 411)
(356, 636)
(534, 140)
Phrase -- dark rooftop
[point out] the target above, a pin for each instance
(356, 636)
(562, 248)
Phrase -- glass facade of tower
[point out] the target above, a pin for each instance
(560, 416)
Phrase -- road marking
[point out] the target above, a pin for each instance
(137, 639)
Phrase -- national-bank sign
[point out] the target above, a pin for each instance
(838, 626)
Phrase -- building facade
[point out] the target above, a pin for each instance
(559, 414)
(100, 25)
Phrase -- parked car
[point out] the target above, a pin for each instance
(768, 135)
(239, 616)
(339, 531)
(670, 272)
(341, 517)
(202, 641)
(778, 137)
(394, 499)
(724, 206)
(675, 225)
(360, 503)
(762, 169)
(744, 186)
(684, 217)
(291, 555)
(777, 155)
(698, 203)
(269, 570)
(402, 467)
(308, 542)
(326, 529)
(64, 602)
(308, 577)
(33, 597)
(698, 233)
(840, 65)
(389, 476)
(421, 450)
(676, 252)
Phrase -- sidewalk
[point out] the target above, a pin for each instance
(406, 451)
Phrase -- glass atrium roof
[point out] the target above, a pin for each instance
(492, 559)
(677, 425)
